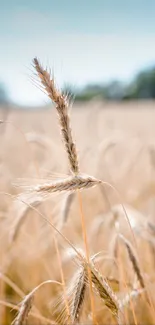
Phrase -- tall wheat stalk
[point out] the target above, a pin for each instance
(62, 107)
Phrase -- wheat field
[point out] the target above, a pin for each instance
(79, 247)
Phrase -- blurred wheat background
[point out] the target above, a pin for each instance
(116, 144)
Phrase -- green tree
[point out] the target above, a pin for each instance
(143, 86)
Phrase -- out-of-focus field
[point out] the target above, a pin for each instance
(116, 143)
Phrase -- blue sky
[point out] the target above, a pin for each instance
(83, 41)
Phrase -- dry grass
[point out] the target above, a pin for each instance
(113, 280)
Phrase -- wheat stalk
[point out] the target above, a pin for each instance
(77, 182)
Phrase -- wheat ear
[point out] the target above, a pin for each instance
(71, 183)
(66, 206)
(101, 285)
(78, 286)
(21, 218)
(104, 290)
(133, 260)
(24, 310)
(62, 107)
(39, 139)
(134, 294)
(27, 302)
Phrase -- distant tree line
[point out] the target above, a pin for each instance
(141, 87)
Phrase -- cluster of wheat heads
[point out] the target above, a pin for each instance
(88, 291)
